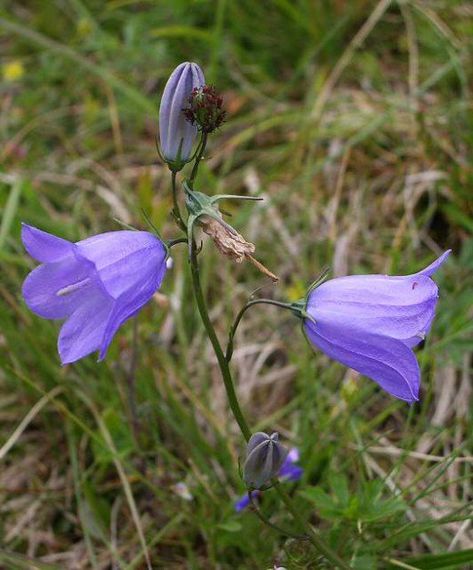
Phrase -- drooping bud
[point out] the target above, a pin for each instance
(176, 134)
(264, 458)
(205, 109)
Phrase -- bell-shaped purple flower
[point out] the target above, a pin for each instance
(371, 323)
(95, 284)
(176, 133)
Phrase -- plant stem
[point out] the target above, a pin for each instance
(198, 158)
(222, 362)
(236, 322)
(267, 522)
(319, 545)
(176, 210)
(317, 542)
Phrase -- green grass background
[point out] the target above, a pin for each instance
(354, 120)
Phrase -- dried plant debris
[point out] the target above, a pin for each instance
(232, 244)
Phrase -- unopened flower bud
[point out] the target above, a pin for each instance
(205, 109)
(264, 458)
(176, 134)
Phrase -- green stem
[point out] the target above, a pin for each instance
(176, 210)
(236, 322)
(319, 545)
(175, 241)
(198, 158)
(267, 522)
(316, 541)
(222, 362)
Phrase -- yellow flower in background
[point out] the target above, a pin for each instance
(296, 291)
(13, 70)
(84, 27)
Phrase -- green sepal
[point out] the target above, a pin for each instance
(177, 164)
(319, 280)
(199, 204)
(299, 308)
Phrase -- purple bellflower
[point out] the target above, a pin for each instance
(95, 284)
(176, 133)
(288, 471)
(372, 322)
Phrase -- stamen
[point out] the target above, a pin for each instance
(71, 288)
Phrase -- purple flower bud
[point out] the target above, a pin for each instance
(371, 323)
(289, 471)
(264, 458)
(95, 284)
(176, 134)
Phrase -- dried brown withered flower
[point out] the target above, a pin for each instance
(231, 244)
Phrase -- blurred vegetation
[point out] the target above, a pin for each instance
(354, 121)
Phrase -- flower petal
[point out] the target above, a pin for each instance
(291, 473)
(398, 307)
(387, 361)
(124, 259)
(432, 268)
(55, 290)
(83, 331)
(43, 246)
(179, 129)
(166, 104)
(289, 470)
(293, 456)
(244, 501)
(132, 300)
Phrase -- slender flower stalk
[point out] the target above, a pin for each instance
(199, 156)
(315, 540)
(251, 501)
(312, 535)
(176, 210)
(231, 336)
(222, 362)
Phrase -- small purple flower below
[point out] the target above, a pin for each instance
(95, 284)
(371, 323)
(289, 471)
